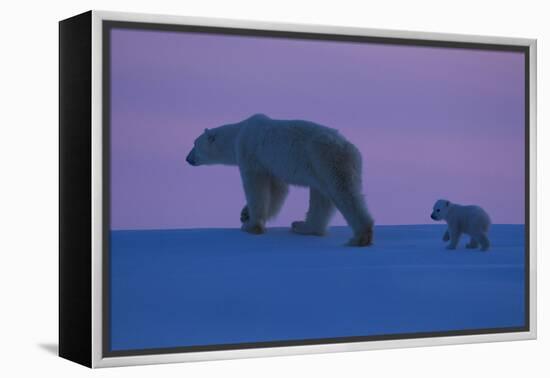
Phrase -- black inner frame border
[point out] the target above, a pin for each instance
(107, 26)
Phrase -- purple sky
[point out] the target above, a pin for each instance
(430, 123)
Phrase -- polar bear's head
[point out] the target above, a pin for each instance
(441, 207)
(214, 146)
(204, 150)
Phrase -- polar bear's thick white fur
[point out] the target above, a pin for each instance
(272, 154)
(470, 220)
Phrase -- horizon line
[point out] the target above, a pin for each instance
(288, 227)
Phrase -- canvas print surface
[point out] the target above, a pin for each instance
(266, 189)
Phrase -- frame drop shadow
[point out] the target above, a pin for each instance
(51, 348)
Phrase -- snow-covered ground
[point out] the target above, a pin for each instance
(173, 288)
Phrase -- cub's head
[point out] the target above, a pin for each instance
(441, 207)
(205, 150)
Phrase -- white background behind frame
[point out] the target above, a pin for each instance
(29, 167)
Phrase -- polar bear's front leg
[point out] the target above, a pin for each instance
(244, 214)
(277, 194)
(256, 189)
(278, 191)
(446, 236)
(454, 234)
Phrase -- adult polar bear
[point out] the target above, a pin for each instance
(271, 154)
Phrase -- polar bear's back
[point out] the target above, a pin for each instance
(473, 218)
(295, 150)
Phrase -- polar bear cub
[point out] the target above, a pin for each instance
(272, 154)
(470, 220)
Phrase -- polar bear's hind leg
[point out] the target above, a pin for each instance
(318, 216)
(473, 244)
(352, 206)
(484, 241)
(339, 170)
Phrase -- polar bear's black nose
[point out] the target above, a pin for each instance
(191, 159)
(432, 216)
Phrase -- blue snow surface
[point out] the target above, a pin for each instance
(196, 287)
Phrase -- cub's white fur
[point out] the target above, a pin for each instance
(271, 154)
(470, 220)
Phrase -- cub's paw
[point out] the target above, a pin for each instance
(253, 228)
(451, 247)
(302, 228)
(245, 217)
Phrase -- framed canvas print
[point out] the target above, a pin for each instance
(236, 189)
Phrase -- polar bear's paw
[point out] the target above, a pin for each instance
(361, 240)
(253, 228)
(303, 228)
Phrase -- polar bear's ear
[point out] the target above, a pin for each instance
(210, 135)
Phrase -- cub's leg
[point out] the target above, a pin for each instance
(483, 240)
(257, 192)
(318, 216)
(473, 243)
(454, 234)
